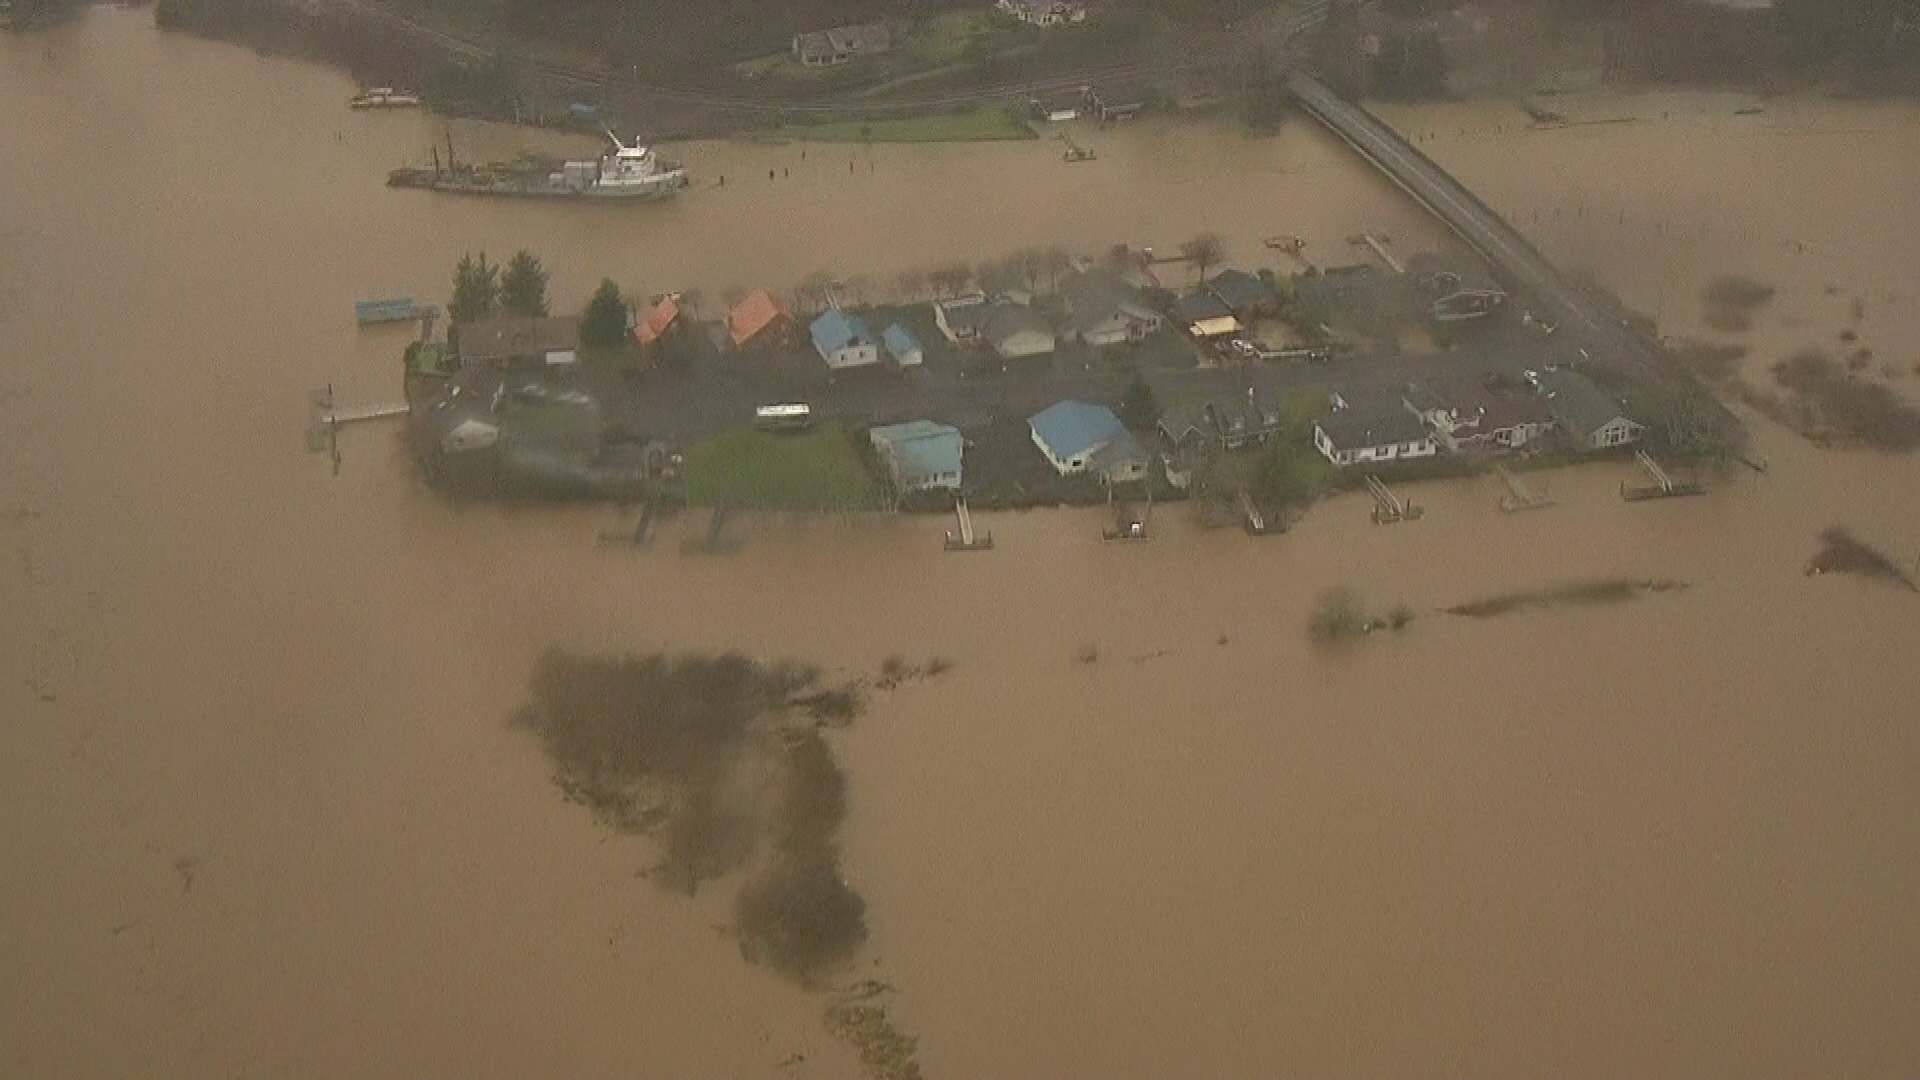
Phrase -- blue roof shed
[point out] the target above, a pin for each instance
(902, 345)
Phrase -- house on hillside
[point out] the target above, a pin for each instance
(1107, 310)
(517, 341)
(1248, 295)
(842, 44)
(843, 340)
(919, 454)
(1457, 288)
(1594, 417)
(1015, 331)
(1079, 438)
(1371, 432)
(756, 320)
(1205, 315)
(1466, 414)
(903, 346)
(1044, 12)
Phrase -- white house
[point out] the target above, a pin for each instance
(920, 454)
(843, 341)
(1107, 310)
(1365, 434)
(1077, 437)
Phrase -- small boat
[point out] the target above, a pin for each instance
(384, 97)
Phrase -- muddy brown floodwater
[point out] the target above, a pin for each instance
(262, 812)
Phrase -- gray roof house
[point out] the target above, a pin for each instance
(1458, 287)
(825, 48)
(1205, 315)
(1469, 414)
(1015, 331)
(1245, 293)
(1371, 432)
(1044, 12)
(1077, 437)
(1108, 310)
(1228, 423)
(920, 454)
(515, 341)
(961, 317)
(1589, 413)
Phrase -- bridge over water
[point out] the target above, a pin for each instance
(1608, 339)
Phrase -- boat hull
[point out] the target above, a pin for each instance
(512, 187)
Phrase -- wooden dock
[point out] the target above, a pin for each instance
(641, 535)
(1129, 522)
(1663, 486)
(715, 542)
(965, 539)
(1388, 508)
(1378, 244)
(1519, 496)
(325, 418)
(1256, 523)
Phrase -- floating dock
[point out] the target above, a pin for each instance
(1379, 246)
(397, 309)
(965, 539)
(1663, 486)
(1128, 523)
(1388, 508)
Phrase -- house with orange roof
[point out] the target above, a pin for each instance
(658, 320)
(757, 318)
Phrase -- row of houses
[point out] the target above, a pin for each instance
(1075, 437)
(1462, 415)
(1044, 13)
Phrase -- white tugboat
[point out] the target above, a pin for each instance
(625, 172)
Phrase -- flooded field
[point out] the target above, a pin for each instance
(263, 811)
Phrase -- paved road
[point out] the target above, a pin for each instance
(1608, 340)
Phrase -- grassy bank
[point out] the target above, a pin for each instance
(818, 470)
(982, 123)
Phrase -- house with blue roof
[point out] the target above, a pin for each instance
(843, 341)
(903, 346)
(1077, 437)
(919, 454)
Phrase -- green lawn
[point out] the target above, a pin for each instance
(944, 38)
(982, 123)
(818, 470)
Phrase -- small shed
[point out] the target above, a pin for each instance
(903, 346)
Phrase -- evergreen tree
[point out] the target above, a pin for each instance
(1139, 408)
(605, 323)
(476, 289)
(523, 288)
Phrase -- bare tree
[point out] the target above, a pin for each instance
(1119, 257)
(862, 288)
(1055, 262)
(910, 284)
(951, 279)
(813, 291)
(1203, 251)
(692, 300)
